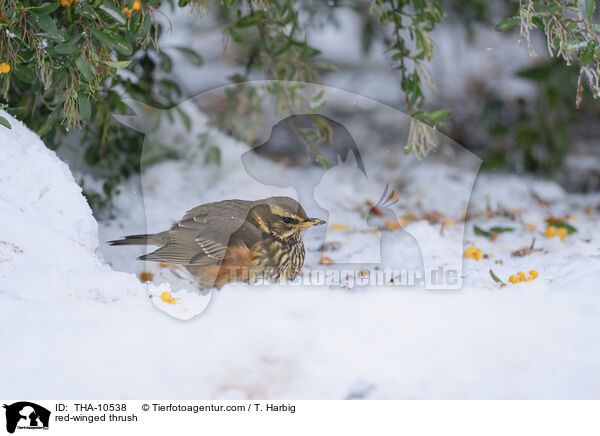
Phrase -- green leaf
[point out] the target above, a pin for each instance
(590, 7)
(191, 55)
(480, 232)
(507, 24)
(537, 73)
(588, 53)
(84, 68)
(46, 23)
(50, 122)
(501, 229)
(85, 10)
(110, 10)
(45, 9)
(166, 64)
(437, 117)
(494, 230)
(65, 48)
(25, 74)
(4, 122)
(569, 227)
(496, 279)
(85, 109)
(115, 41)
(116, 64)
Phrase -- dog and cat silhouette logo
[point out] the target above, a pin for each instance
(26, 415)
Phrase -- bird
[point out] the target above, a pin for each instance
(234, 241)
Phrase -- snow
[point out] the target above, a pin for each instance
(48, 235)
(74, 309)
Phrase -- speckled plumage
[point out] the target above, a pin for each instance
(234, 240)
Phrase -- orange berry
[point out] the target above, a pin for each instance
(166, 297)
(146, 276)
(533, 274)
(4, 68)
(478, 254)
(562, 233)
(521, 276)
(513, 279)
(550, 231)
(173, 301)
(470, 252)
(136, 6)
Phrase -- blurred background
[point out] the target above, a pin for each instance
(513, 82)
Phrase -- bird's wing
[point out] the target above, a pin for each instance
(203, 234)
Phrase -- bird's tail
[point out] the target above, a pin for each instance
(155, 239)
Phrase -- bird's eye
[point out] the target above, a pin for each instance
(286, 219)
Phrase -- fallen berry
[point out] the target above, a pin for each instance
(550, 232)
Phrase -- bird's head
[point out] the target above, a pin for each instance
(282, 217)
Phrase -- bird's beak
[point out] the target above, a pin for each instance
(314, 222)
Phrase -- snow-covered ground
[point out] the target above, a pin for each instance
(74, 309)
(76, 321)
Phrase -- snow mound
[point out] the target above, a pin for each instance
(48, 236)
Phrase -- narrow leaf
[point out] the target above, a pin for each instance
(110, 10)
(507, 24)
(479, 231)
(84, 68)
(65, 48)
(501, 229)
(4, 122)
(590, 7)
(115, 41)
(496, 278)
(116, 64)
(85, 109)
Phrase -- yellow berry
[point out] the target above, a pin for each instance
(4, 68)
(470, 252)
(521, 276)
(478, 254)
(550, 231)
(136, 5)
(146, 276)
(533, 274)
(513, 279)
(166, 297)
(562, 233)
(173, 301)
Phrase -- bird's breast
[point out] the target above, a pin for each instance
(276, 260)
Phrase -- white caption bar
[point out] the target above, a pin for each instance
(301, 417)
